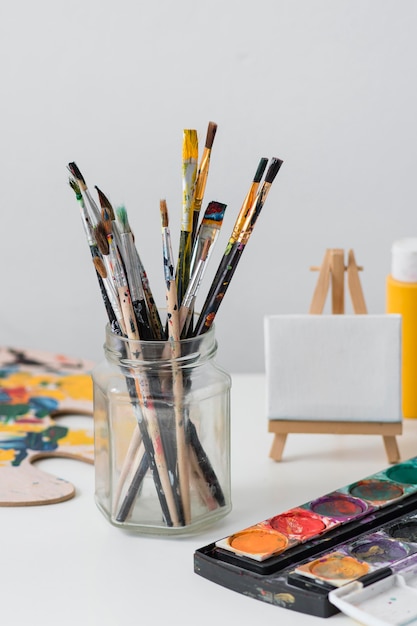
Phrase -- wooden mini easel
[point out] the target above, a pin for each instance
(332, 274)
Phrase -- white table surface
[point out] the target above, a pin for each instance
(65, 564)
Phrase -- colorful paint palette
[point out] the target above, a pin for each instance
(363, 531)
(36, 389)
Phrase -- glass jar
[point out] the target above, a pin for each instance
(162, 435)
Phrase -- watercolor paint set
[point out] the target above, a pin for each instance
(336, 553)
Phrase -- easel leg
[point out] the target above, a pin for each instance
(354, 284)
(278, 445)
(391, 449)
(337, 270)
(322, 287)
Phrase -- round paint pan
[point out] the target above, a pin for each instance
(299, 524)
(338, 568)
(338, 506)
(376, 491)
(404, 473)
(404, 531)
(258, 541)
(379, 550)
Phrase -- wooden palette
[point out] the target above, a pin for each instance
(36, 388)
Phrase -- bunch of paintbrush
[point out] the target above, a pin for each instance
(181, 460)
(119, 267)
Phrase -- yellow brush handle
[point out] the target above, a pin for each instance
(402, 298)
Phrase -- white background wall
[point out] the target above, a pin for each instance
(329, 86)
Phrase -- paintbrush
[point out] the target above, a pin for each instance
(177, 379)
(129, 255)
(187, 304)
(257, 206)
(249, 200)
(110, 300)
(206, 469)
(107, 289)
(120, 280)
(85, 217)
(234, 252)
(142, 466)
(199, 480)
(105, 204)
(208, 230)
(169, 273)
(202, 174)
(104, 248)
(189, 173)
(103, 267)
(95, 212)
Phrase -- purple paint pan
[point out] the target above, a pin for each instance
(339, 506)
(377, 550)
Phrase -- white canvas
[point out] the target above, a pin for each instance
(333, 367)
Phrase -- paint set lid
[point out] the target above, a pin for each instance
(390, 601)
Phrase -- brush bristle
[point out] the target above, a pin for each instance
(190, 145)
(122, 219)
(75, 187)
(214, 211)
(101, 239)
(100, 267)
(260, 171)
(273, 170)
(105, 202)
(73, 168)
(107, 222)
(211, 133)
(164, 213)
(205, 249)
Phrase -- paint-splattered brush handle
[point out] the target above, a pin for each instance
(205, 465)
(218, 290)
(134, 488)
